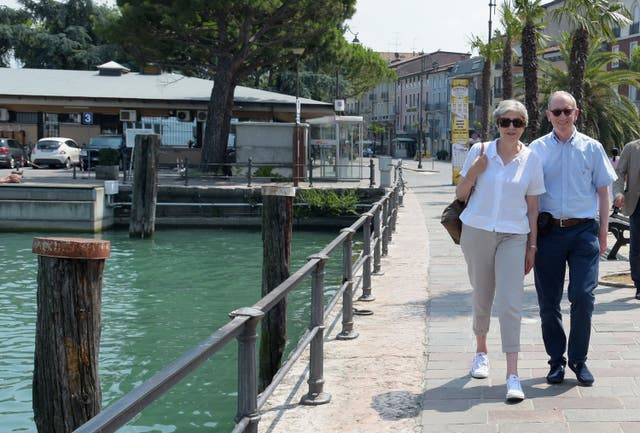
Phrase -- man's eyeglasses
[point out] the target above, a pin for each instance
(567, 112)
(504, 122)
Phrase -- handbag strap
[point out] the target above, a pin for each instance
(474, 187)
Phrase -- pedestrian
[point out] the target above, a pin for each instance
(577, 176)
(614, 157)
(501, 180)
(626, 190)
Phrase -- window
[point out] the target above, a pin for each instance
(633, 91)
(633, 28)
(615, 64)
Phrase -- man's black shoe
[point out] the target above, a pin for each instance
(583, 374)
(556, 374)
(638, 294)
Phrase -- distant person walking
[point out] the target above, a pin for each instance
(577, 176)
(499, 234)
(626, 190)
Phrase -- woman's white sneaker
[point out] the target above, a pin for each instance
(514, 390)
(480, 368)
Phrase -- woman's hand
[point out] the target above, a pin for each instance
(529, 260)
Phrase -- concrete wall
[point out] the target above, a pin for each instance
(76, 208)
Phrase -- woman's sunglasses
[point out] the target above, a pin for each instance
(504, 123)
(567, 112)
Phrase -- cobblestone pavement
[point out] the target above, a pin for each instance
(408, 371)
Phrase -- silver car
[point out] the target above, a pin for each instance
(55, 152)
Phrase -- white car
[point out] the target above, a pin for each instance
(55, 151)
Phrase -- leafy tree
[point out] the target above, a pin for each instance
(588, 18)
(606, 115)
(9, 18)
(226, 40)
(52, 34)
(491, 51)
(530, 13)
(512, 33)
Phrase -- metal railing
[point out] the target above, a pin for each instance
(247, 170)
(377, 227)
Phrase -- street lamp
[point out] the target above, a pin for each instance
(296, 151)
(420, 109)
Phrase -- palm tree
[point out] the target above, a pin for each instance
(491, 52)
(530, 13)
(512, 30)
(608, 116)
(588, 18)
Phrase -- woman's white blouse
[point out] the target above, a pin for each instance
(498, 202)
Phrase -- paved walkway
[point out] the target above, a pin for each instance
(408, 369)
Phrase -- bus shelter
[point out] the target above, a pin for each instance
(335, 147)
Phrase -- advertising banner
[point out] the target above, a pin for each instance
(459, 125)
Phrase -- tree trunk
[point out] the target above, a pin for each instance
(277, 226)
(145, 187)
(220, 109)
(530, 72)
(577, 69)
(507, 73)
(486, 98)
(66, 385)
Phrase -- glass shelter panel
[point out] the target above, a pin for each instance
(335, 147)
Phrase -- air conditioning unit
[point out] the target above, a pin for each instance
(183, 115)
(128, 115)
(4, 115)
(338, 105)
(201, 116)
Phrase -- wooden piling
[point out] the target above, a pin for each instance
(277, 227)
(145, 187)
(66, 385)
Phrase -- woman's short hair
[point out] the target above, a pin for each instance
(511, 105)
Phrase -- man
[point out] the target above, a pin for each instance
(626, 190)
(577, 175)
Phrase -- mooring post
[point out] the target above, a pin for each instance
(66, 386)
(347, 332)
(316, 394)
(247, 383)
(145, 187)
(277, 227)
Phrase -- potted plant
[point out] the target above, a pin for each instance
(107, 167)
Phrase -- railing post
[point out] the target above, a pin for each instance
(366, 266)
(310, 172)
(393, 202)
(249, 170)
(347, 332)
(385, 226)
(247, 378)
(186, 171)
(401, 197)
(372, 173)
(378, 237)
(316, 395)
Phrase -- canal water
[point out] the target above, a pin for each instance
(160, 298)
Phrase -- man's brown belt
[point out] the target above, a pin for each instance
(569, 222)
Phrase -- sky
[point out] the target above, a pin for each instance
(412, 25)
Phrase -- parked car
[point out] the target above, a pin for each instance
(55, 151)
(12, 153)
(89, 155)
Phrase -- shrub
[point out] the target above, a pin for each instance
(321, 202)
(108, 157)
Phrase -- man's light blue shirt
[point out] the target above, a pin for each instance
(573, 171)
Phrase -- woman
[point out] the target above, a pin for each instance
(499, 234)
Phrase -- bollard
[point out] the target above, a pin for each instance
(310, 172)
(372, 173)
(74, 171)
(66, 385)
(347, 332)
(142, 222)
(249, 169)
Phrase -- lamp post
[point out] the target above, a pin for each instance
(420, 109)
(296, 151)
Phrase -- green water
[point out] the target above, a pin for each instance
(160, 298)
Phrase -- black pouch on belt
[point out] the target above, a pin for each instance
(544, 223)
